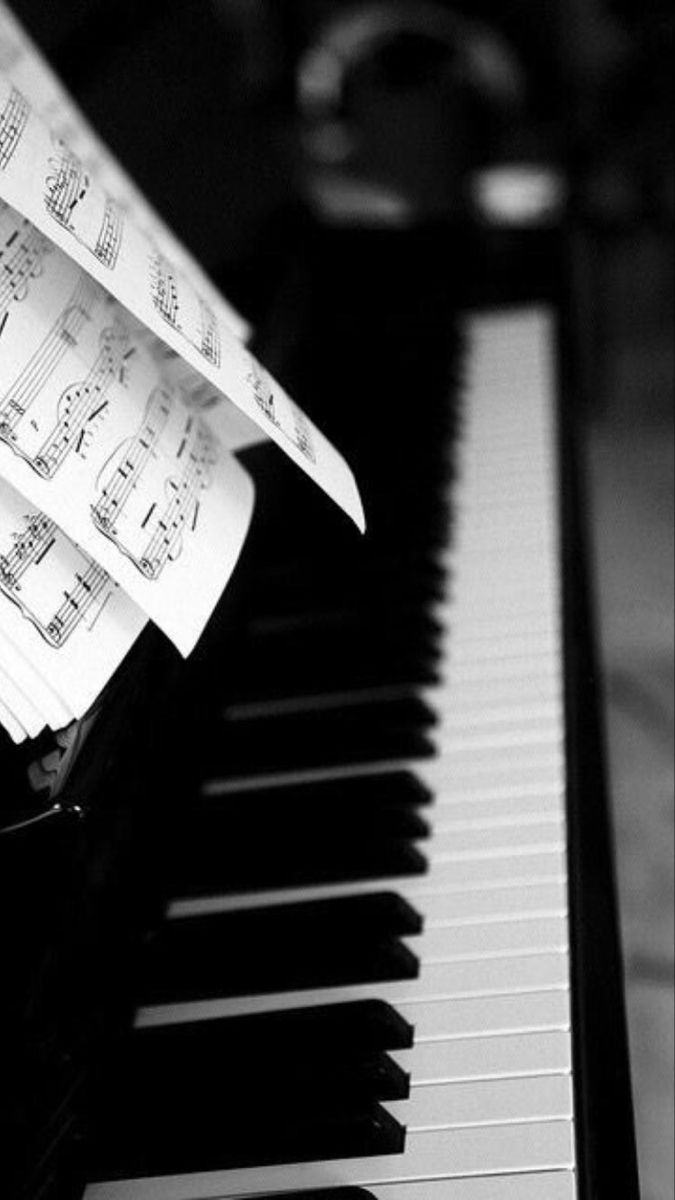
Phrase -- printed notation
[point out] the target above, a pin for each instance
(149, 519)
(209, 344)
(82, 405)
(66, 187)
(56, 586)
(301, 433)
(165, 292)
(131, 462)
(13, 120)
(34, 378)
(109, 240)
(67, 190)
(22, 252)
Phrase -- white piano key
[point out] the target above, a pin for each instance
(465, 778)
(453, 742)
(482, 811)
(488, 977)
(488, 871)
(512, 1057)
(537, 785)
(496, 905)
(445, 907)
(464, 763)
(544, 837)
(463, 818)
(489, 1016)
(465, 943)
(460, 715)
(558, 1185)
(524, 667)
(497, 1102)
(468, 625)
(449, 1154)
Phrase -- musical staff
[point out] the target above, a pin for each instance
(109, 240)
(67, 190)
(13, 121)
(32, 382)
(22, 252)
(210, 340)
(132, 460)
(81, 405)
(153, 534)
(301, 433)
(66, 187)
(55, 610)
(165, 292)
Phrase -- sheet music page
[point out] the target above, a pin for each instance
(59, 608)
(92, 436)
(43, 178)
(125, 389)
(9, 722)
(55, 712)
(23, 63)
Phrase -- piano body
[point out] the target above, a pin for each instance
(330, 911)
(340, 913)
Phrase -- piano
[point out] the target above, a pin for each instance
(329, 913)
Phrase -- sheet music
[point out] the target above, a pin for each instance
(20, 706)
(40, 88)
(56, 713)
(9, 722)
(47, 182)
(58, 608)
(125, 389)
(91, 434)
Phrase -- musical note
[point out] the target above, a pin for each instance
(81, 405)
(32, 385)
(165, 292)
(132, 460)
(210, 345)
(148, 521)
(67, 189)
(13, 120)
(109, 240)
(56, 601)
(22, 252)
(301, 433)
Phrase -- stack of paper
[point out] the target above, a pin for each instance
(120, 499)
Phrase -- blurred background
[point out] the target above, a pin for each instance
(233, 114)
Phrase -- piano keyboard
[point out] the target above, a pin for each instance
(482, 944)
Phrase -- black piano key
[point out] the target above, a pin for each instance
(205, 1132)
(285, 949)
(307, 861)
(154, 1069)
(378, 730)
(343, 1029)
(401, 789)
(211, 848)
